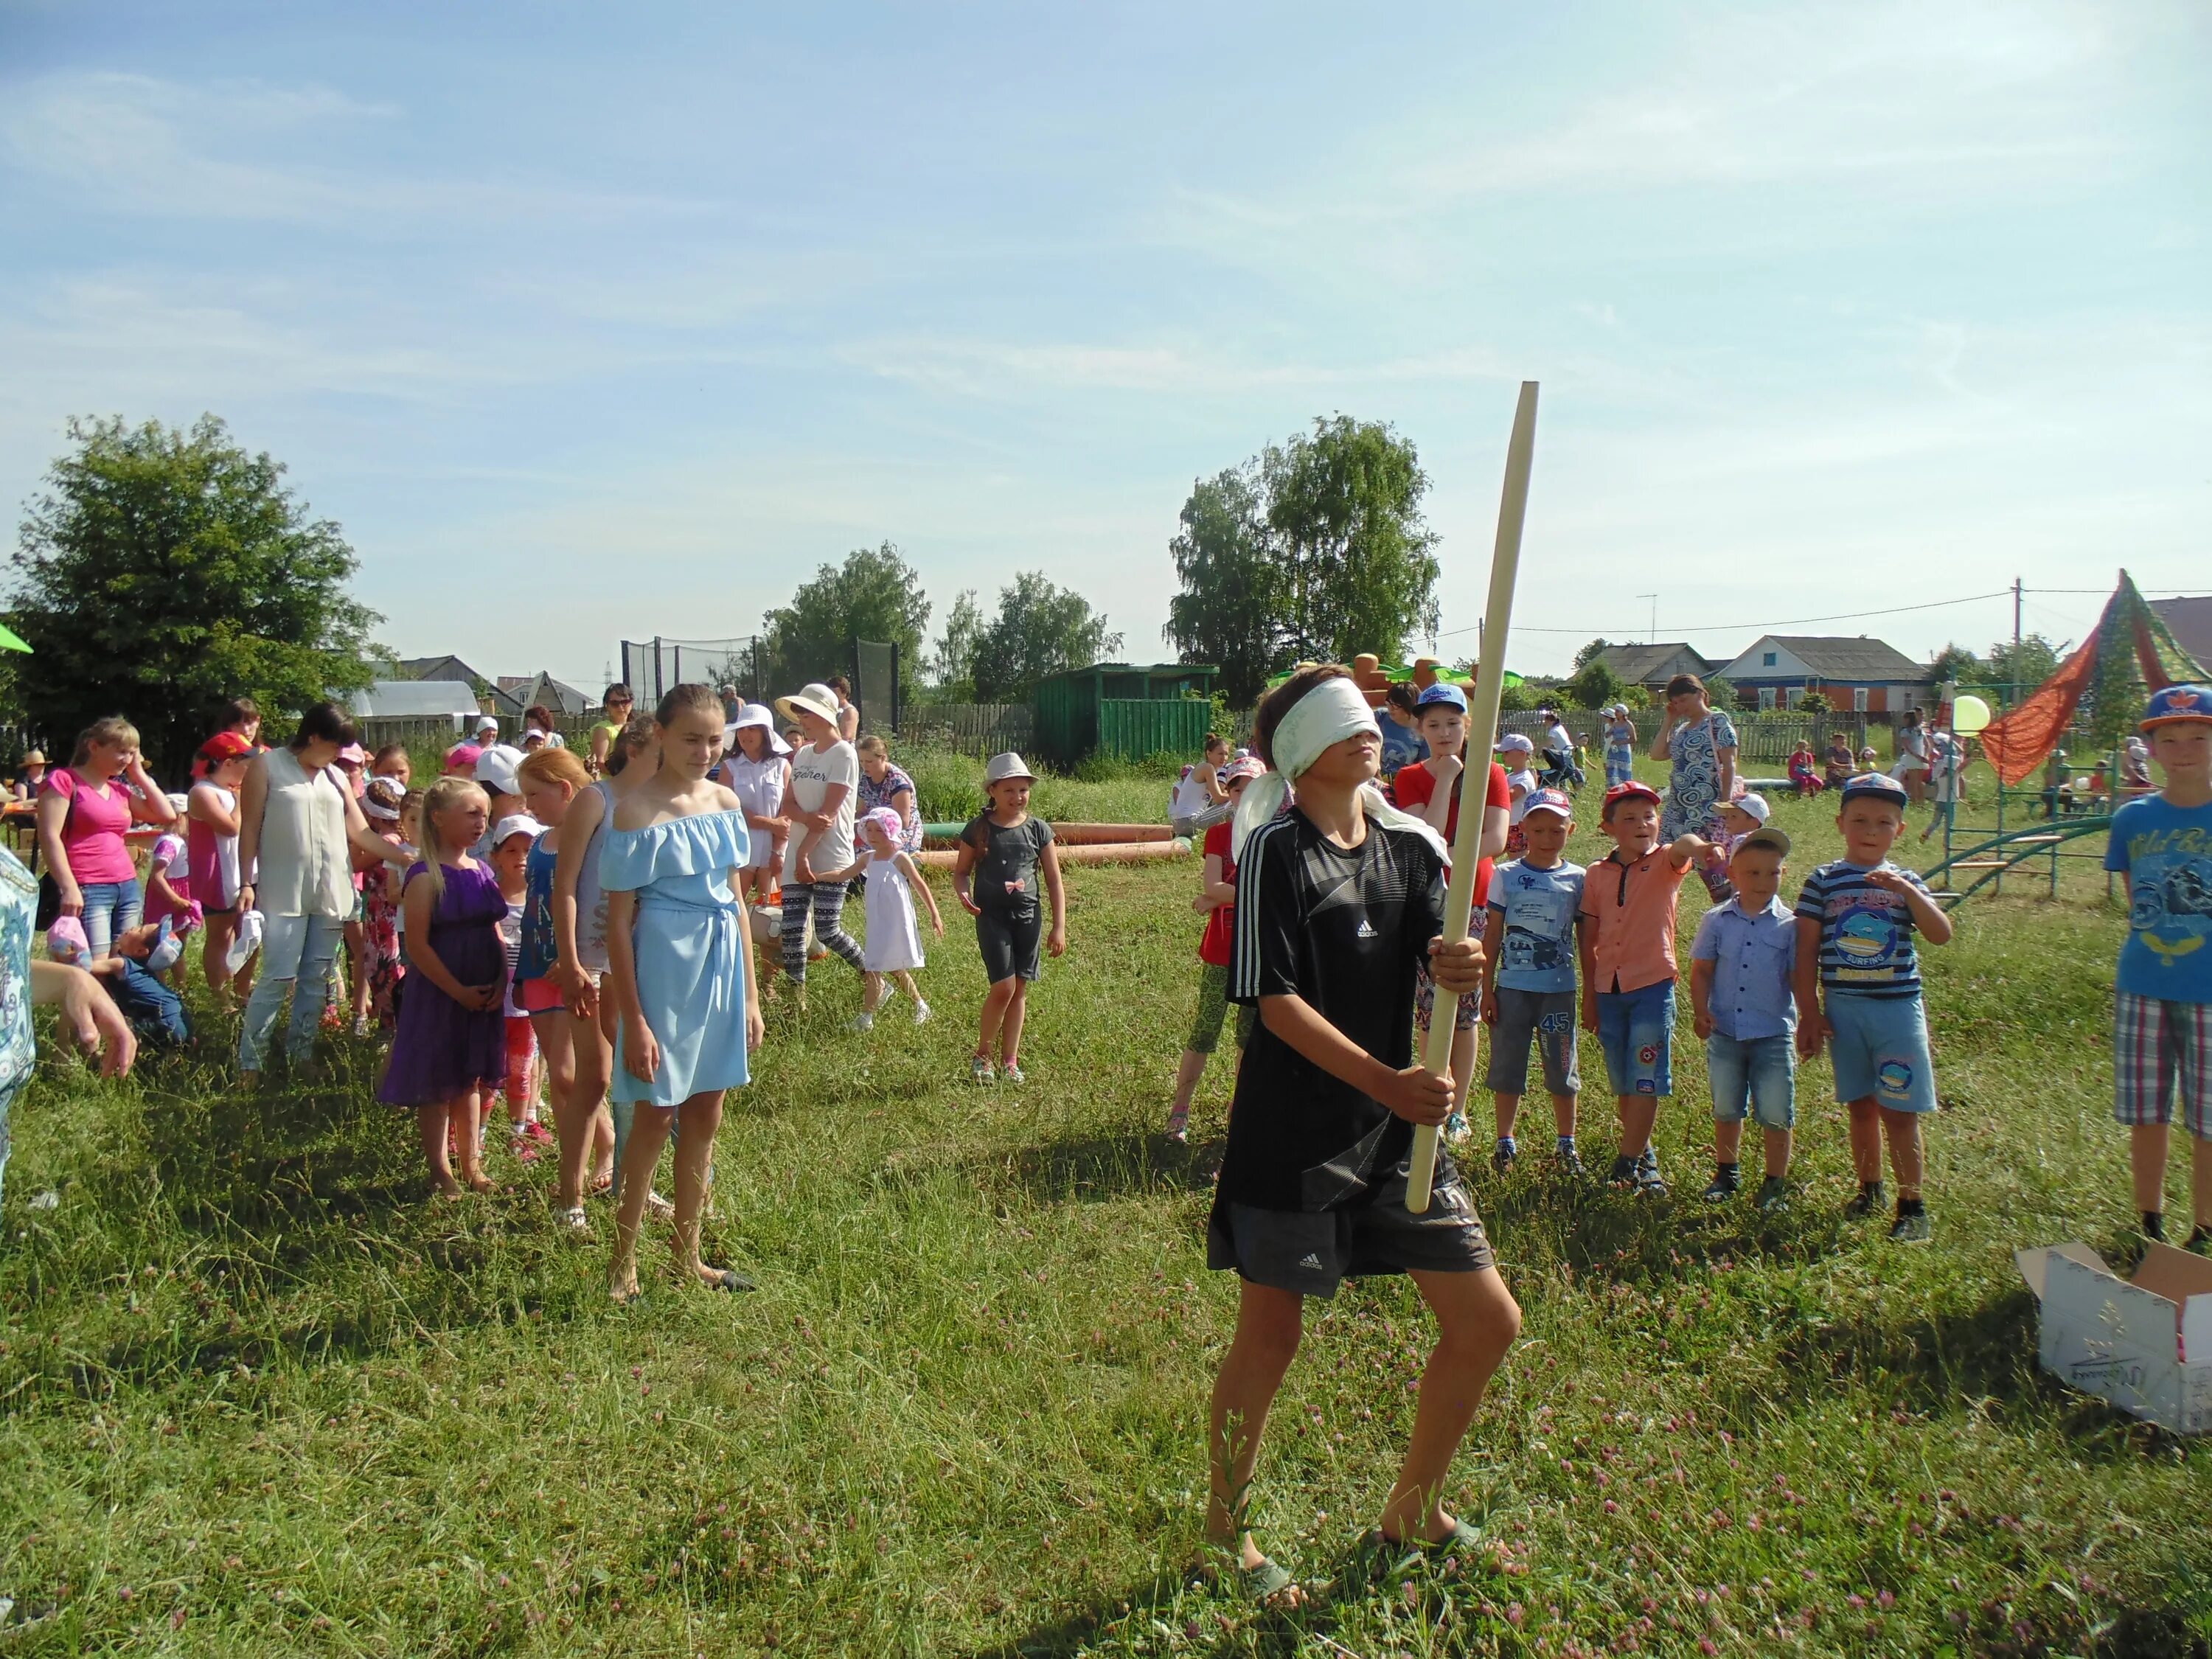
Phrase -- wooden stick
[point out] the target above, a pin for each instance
(1481, 744)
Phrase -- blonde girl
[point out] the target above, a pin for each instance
(450, 1053)
(553, 782)
(680, 972)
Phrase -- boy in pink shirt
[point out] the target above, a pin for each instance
(1627, 948)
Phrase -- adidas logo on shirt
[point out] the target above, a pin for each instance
(1366, 929)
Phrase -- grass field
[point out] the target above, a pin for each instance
(257, 1397)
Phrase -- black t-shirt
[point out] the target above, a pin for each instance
(1345, 930)
(1004, 876)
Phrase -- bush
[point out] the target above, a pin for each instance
(1814, 703)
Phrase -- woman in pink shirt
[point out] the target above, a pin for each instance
(83, 810)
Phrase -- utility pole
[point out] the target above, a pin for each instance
(1652, 638)
(2017, 590)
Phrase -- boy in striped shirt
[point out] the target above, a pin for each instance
(1856, 917)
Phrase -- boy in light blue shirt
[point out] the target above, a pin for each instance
(1742, 968)
(1534, 908)
(2162, 846)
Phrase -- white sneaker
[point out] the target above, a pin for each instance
(1455, 1129)
(1014, 1074)
(575, 1220)
(862, 1023)
(921, 1013)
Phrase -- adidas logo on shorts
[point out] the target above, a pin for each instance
(1311, 1261)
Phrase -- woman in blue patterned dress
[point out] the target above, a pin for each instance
(679, 970)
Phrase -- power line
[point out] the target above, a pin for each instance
(1788, 622)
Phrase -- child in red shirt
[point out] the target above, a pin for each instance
(1430, 789)
(1217, 902)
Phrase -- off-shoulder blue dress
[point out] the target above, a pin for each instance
(688, 944)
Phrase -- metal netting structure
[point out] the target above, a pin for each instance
(650, 667)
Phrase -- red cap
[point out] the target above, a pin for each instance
(224, 746)
(1629, 791)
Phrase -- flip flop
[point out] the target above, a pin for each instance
(1463, 1537)
(1261, 1583)
(727, 1279)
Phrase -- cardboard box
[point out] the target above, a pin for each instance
(2144, 1344)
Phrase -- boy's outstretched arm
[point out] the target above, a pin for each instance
(1414, 1094)
(1687, 847)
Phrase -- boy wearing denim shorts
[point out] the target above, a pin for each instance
(2162, 846)
(1856, 917)
(1533, 913)
(1741, 965)
(1628, 968)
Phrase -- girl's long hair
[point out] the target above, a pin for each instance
(436, 800)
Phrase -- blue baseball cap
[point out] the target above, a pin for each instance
(1443, 691)
(1549, 800)
(2173, 704)
(1876, 786)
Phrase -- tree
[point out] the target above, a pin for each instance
(164, 572)
(952, 664)
(874, 595)
(1233, 593)
(1315, 549)
(1813, 703)
(1590, 653)
(2028, 665)
(1955, 662)
(1720, 693)
(1040, 630)
(1596, 686)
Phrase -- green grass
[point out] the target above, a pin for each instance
(255, 1397)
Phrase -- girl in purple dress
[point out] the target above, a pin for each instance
(450, 1051)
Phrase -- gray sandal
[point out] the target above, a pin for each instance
(1262, 1583)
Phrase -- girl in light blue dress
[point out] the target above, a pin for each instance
(679, 970)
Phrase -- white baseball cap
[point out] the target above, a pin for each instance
(495, 768)
(515, 823)
(1752, 802)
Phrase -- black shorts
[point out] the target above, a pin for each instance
(1010, 941)
(1312, 1252)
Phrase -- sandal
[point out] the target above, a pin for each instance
(1463, 1537)
(1262, 1583)
(1179, 1125)
(658, 1207)
(727, 1279)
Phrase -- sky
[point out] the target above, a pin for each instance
(589, 323)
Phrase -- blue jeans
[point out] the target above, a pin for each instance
(318, 949)
(1637, 1030)
(1754, 1074)
(110, 908)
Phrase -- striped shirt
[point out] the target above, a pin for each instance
(1866, 933)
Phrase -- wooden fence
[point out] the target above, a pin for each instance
(982, 729)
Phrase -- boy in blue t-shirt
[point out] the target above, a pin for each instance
(2162, 1019)
(1855, 920)
(1534, 908)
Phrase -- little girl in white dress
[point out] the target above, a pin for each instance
(893, 945)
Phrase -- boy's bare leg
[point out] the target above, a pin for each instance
(2147, 1144)
(1777, 1154)
(1477, 1320)
(1268, 1324)
(1727, 1140)
(1866, 1139)
(1509, 1113)
(1637, 1114)
(1903, 1131)
(1563, 1114)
